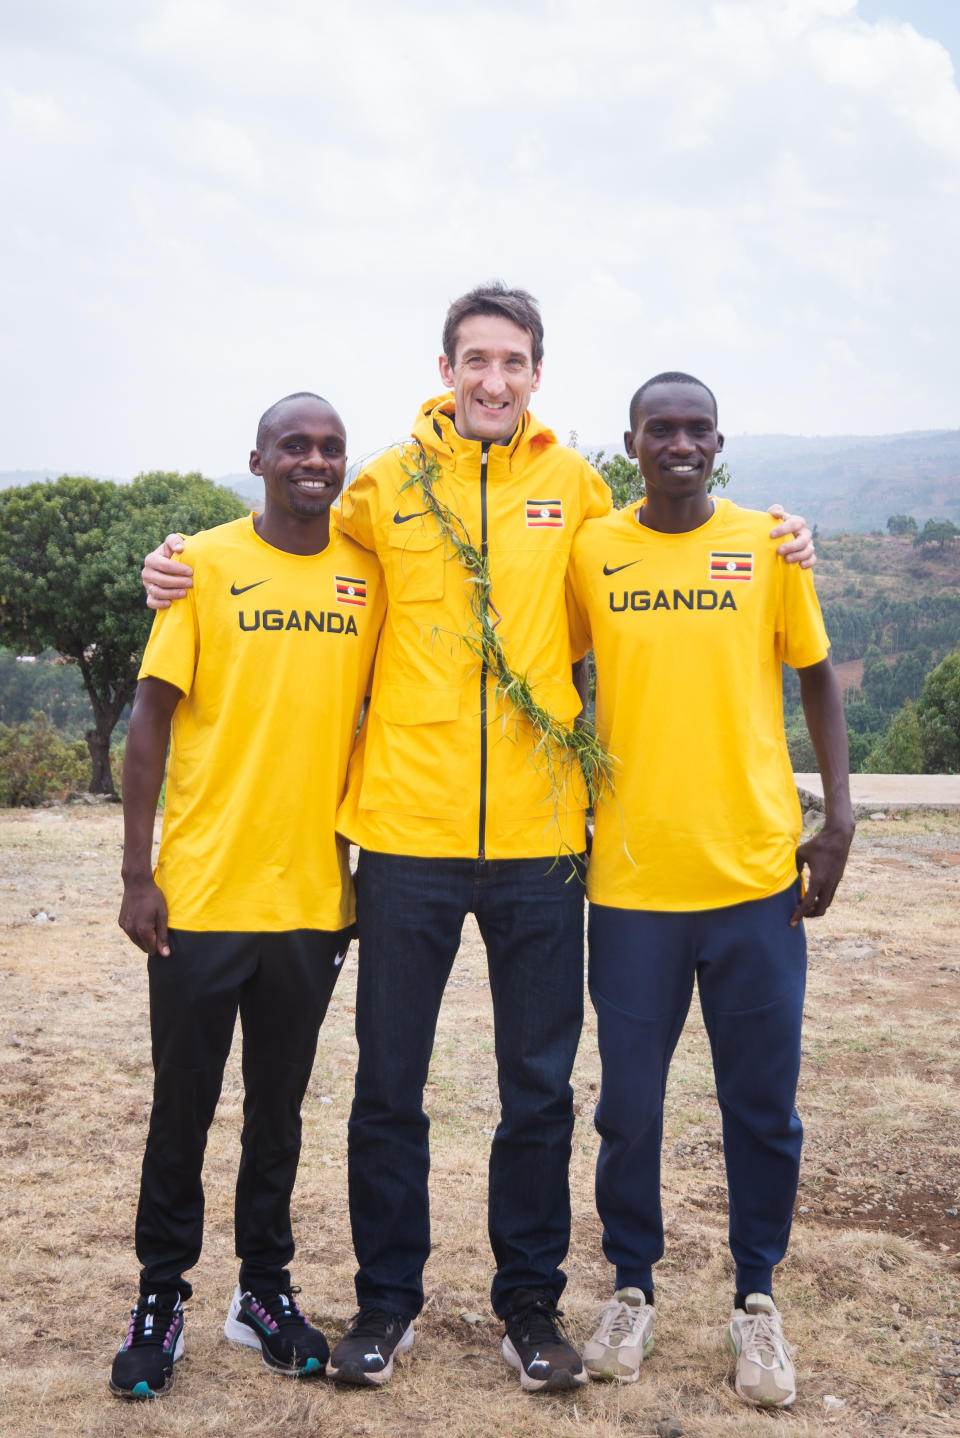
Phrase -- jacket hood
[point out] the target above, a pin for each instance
(435, 430)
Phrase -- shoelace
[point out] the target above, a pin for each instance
(370, 1323)
(278, 1307)
(147, 1322)
(540, 1322)
(617, 1323)
(763, 1343)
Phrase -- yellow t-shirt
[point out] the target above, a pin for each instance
(689, 633)
(273, 652)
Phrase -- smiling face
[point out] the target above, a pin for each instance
(301, 457)
(492, 377)
(674, 440)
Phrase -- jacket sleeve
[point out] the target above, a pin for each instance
(598, 500)
(581, 641)
(358, 509)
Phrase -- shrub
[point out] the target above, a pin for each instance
(37, 763)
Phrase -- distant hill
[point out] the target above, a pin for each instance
(839, 482)
(247, 486)
(847, 482)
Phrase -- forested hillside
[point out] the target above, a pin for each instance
(891, 603)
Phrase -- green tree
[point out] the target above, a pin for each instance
(900, 750)
(70, 557)
(46, 686)
(901, 524)
(626, 481)
(936, 531)
(938, 713)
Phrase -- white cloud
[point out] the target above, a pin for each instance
(212, 204)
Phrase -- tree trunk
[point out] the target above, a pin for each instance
(98, 742)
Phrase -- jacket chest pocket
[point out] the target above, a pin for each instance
(416, 565)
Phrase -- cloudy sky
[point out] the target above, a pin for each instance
(210, 203)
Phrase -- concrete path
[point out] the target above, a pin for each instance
(882, 793)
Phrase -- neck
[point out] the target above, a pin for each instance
(293, 533)
(675, 516)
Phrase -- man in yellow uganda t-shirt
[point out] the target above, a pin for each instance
(693, 875)
(261, 677)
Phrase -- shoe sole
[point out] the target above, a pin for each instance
(142, 1390)
(357, 1377)
(732, 1348)
(561, 1380)
(238, 1332)
(608, 1375)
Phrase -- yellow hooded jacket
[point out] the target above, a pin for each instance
(444, 768)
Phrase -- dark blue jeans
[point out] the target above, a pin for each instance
(411, 913)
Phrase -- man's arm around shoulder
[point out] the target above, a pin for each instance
(825, 855)
(143, 912)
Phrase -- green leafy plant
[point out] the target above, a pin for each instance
(557, 746)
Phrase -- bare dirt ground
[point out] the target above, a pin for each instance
(870, 1289)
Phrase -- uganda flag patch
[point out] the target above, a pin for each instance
(351, 591)
(544, 513)
(725, 564)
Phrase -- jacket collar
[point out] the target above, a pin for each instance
(435, 430)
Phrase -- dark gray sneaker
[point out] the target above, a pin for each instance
(272, 1322)
(366, 1351)
(535, 1343)
(143, 1367)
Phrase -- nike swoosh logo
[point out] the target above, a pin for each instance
(399, 518)
(243, 590)
(617, 567)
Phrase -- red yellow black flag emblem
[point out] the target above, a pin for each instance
(351, 591)
(544, 513)
(729, 564)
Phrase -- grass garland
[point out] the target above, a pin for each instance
(557, 747)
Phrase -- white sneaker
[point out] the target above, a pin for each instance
(765, 1373)
(624, 1338)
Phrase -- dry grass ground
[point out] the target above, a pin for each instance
(871, 1286)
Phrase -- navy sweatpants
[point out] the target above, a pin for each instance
(750, 969)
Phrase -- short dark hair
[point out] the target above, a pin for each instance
(668, 377)
(267, 418)
(495, 299)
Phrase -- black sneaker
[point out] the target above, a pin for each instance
(536, 1344)
(272, 1322)
(365, 1353)
(143, 1367)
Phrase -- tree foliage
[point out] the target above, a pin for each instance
(901, 524)
(70, 556)
(47, 686)
(938, 713)
(626, 482)
(900, 750)
(936, 531)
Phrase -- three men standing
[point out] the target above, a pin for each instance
(457, 809)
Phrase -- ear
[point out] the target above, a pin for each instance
(535, 382)
(628, 444)
(446, 371)
(719, 443)
(256, 466)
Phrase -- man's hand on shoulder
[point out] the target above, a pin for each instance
(164, 577)
(825, 857)
(143, 915)
(798, 548)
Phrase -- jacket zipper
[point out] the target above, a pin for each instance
(482, 837)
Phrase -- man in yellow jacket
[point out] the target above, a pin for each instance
(459, 807)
